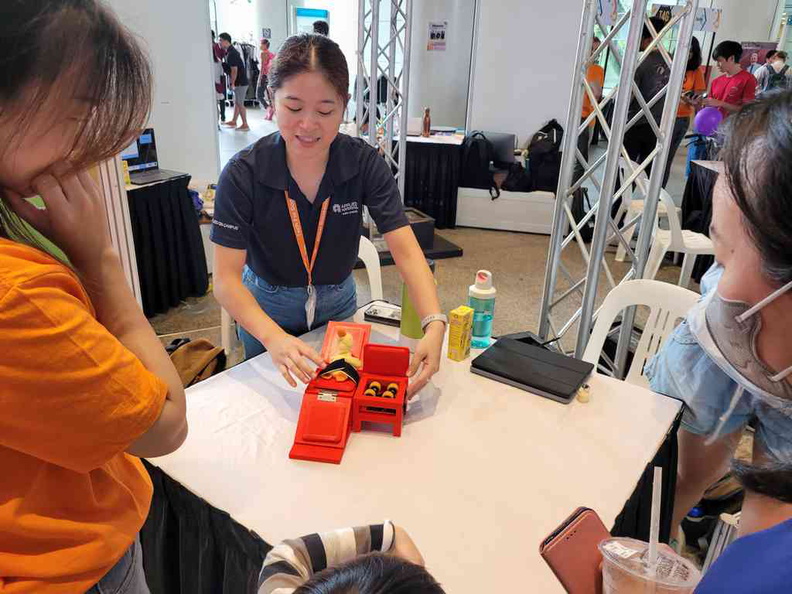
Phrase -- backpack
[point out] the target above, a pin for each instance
(518, 180)
(580, 206)
(196, 360)
(544, 154)
(476, 155)
(778, 80)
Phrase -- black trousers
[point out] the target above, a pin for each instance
(639, 142)
(583, 144)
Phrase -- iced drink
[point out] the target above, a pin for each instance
(625, 569)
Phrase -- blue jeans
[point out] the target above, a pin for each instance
(286, 306)
(126, 576)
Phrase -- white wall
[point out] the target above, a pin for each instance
(439, 80)
(746, 20)
(272, 15)
(176, 34)
(523, 64)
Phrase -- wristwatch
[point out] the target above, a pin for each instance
(433, 318)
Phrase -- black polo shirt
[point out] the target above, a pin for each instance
(251, 212)
(234, 59)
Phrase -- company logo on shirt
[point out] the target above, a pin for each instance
(225, 225)
(350, 208)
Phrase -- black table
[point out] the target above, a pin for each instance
(697, 209)
(432, 180)
(190, 546)
(170, 256)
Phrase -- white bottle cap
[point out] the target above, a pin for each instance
(483, 288)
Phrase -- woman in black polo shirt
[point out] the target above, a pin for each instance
(288, 217)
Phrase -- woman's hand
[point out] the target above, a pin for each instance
(428, 352)
(291, 356)
(74, 219)
(404, 547)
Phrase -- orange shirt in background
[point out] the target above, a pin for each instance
(694, 81)
(72, 400)
(594, 74)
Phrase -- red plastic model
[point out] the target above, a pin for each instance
(385, 365)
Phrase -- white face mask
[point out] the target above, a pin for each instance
(727, 331)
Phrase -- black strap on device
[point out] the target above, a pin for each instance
(344, 367)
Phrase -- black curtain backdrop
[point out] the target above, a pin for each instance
(432, 180)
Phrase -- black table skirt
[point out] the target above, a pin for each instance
(170, 256)
(432, 180)
(189, 546)
(697, 210)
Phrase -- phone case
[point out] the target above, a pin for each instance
(571, 552)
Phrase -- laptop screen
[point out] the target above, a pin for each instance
(142, 154)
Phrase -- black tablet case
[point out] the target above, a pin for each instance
(533, 369)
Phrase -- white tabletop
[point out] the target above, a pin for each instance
(481, 474)
(716, 166)
(452, 139)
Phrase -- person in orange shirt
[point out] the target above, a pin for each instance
(692, 89)
(85, 385)
(595, 76)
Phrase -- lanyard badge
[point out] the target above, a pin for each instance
(294, 215)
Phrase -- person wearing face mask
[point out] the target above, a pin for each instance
(288, 219)
(730, 360)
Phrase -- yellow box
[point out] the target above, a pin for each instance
(127, 180)
(460, 331)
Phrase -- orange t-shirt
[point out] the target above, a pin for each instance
(72, 399)
(694, 81)
(594, 74)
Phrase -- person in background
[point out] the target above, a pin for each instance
(760, 561)
(651, 76)
(239, 82)
(692, 88)
(774, 76)
(262, 88)
(595, 76)
(730, 360)
(288, 216)
(365, 560)
(219, 75)
(754, 65)
(85, 385)
(730, 92)
(321, 28)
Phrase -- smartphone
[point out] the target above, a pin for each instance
(571, 551)
(382, 312)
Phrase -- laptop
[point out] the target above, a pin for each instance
(141, 157)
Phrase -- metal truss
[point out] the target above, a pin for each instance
(609, 228)
(384, 64)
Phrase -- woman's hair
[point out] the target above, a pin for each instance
(311, 53)
(694, 59)
(373, 574)
(757, 157)
(54, 49)
(771, 480)
(265, 41)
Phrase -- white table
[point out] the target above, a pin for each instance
(482, 472)
(452, 139)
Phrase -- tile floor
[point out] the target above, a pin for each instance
(517, 261)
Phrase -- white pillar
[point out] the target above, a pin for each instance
(784, 32)
(273, 15)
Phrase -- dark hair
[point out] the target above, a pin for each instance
(373, 574)
(772, 480)
(756, 156)
(225, 37)
(781, 56)
(311, 53)
(321, 28)
(695, 58)
(658, 25)
(213, 34)
(54, 48)
(728, 49)
(770, 54)
(265, 41)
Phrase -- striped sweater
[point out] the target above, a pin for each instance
(294, 562)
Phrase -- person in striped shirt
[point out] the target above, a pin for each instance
(365, 560)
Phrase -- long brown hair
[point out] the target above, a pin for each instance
(51, 48)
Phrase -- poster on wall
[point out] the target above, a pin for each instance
(607, 11)
(708, 20)
(266, 33)
(437, 36)
(755, 53)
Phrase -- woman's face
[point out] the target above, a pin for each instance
(742, 278)
(309, 112)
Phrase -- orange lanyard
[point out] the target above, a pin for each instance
(294, 215)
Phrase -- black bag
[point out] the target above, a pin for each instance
(477, 154)
(580, 201)
(778, 80)
(518, 180)
(544, 154)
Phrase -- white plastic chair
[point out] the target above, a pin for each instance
(631, 208)
(675, 239)
(667, 304)
(366, 252)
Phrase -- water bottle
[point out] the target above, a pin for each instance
(481, 297)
